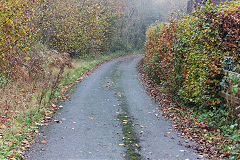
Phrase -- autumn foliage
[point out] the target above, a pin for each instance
(16, 32)
(187, 54)
(161, 39)
(72, 26)
(78, 27)
(38, 39)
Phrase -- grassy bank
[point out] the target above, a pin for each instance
(23, 114)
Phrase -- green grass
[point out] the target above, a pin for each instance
(130, 139)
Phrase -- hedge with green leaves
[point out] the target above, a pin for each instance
(187, 54)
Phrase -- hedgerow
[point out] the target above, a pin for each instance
(229, 29)
(161, 58)
(187, 54)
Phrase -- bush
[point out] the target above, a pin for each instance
(17, 32)
(160, 43)
(198, 46)
(229, 28)
(78, 27)
(187, 53)
(72, 26)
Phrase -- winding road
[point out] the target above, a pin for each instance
(89, 126)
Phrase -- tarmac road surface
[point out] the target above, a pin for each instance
(89, 127)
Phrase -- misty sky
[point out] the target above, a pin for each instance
(165, 7)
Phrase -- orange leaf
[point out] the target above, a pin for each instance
(44, 141)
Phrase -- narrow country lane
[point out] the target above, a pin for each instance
(90, 124)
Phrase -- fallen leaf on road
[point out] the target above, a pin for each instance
(121, 144)
(92, 113)
(142, 126)
(57, 121)
(34, 127)
(44, 141)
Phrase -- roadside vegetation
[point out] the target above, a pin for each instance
(31, 105)
(48, 46)
(187, 57)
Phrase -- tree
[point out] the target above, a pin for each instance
(17, 32)
(78, 27)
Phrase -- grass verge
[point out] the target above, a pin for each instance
(19, 126)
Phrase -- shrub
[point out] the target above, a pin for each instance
(17, 32)
(160, 43)
(187, 53)
(229, 29)
(198, 45)
(78, 27)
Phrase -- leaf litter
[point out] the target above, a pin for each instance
(208, 140)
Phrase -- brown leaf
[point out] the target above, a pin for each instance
(11, 155)
(44, 141)
(142, 126)
(57, 121)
